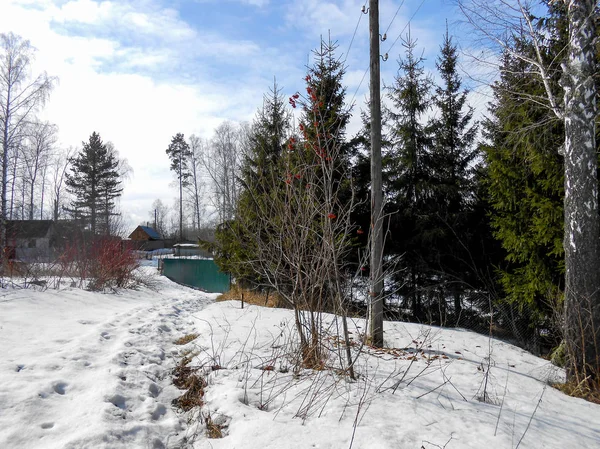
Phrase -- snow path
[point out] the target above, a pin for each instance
(90, 370)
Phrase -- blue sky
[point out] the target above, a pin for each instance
(139, 71)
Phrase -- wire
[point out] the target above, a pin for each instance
(354, 35)
(393, 18)
(351, 103)
(407, 23)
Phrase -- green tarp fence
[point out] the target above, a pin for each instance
(197, 273)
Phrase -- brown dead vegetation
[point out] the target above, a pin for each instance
(185, 339)
(186, 378)
(271, 299)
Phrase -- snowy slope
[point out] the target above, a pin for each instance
(424, 393)
(90, 370)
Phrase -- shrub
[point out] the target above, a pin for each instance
(105, 263)
(111, 264)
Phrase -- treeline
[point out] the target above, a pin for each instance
(473, 211)
(41, 179)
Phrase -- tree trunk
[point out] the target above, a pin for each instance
(180, 198)
(31, 201)
(4, 189)
(582, 278)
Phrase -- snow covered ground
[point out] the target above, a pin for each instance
(89, 370)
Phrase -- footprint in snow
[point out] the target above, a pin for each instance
(118, 401)
(153, 390)
(159, 412)
(47, 425)
(60, 387)
(86, 322)
(105, 335)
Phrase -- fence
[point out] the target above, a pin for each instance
(197, 273)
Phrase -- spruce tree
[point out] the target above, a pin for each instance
(94, 181)
(179, 153)
(406, 174)
(525, 184)
(451, 180)
(261, 172)
(325, 115)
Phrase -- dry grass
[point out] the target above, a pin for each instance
(213, 430)
(186, 378)
(590, 391)
(252, 297)
(186, 339)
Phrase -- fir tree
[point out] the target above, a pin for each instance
(94, 181)
(325, 115)
(179, 153)
(450, 166)
(261, 172)
(406, 175)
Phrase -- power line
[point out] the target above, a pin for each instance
(394, 43)
(393, 18)
(360, 84)
(355, 30)
(405, 26)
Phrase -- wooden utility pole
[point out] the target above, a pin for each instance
(376, 300)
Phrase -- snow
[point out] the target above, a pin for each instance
(82, 369)
(91, 370)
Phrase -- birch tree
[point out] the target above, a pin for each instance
(196, 183)
(36, 154)
(223, 165)
(59, 164)
(20, 98)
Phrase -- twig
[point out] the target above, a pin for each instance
(531, 417)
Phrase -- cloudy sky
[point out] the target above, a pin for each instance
(140, 71)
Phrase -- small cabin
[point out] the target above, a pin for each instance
(30, 239)
(146, 238)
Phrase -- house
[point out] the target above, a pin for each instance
(30, 239)
(146, 238)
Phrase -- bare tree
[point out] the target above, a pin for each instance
(112, 217)
(59, 163)
(35, 154)
(160, 217)
(20, 98)
(223, 166)
(501, 21)
(298, 238)
(196, 184)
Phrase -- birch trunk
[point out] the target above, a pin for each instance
(582, 262)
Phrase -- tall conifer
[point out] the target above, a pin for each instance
(94, 181)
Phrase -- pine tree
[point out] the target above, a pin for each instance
(179, 153)
(94, 181)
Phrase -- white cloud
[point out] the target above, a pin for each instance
(108, 87)
(85, 11)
